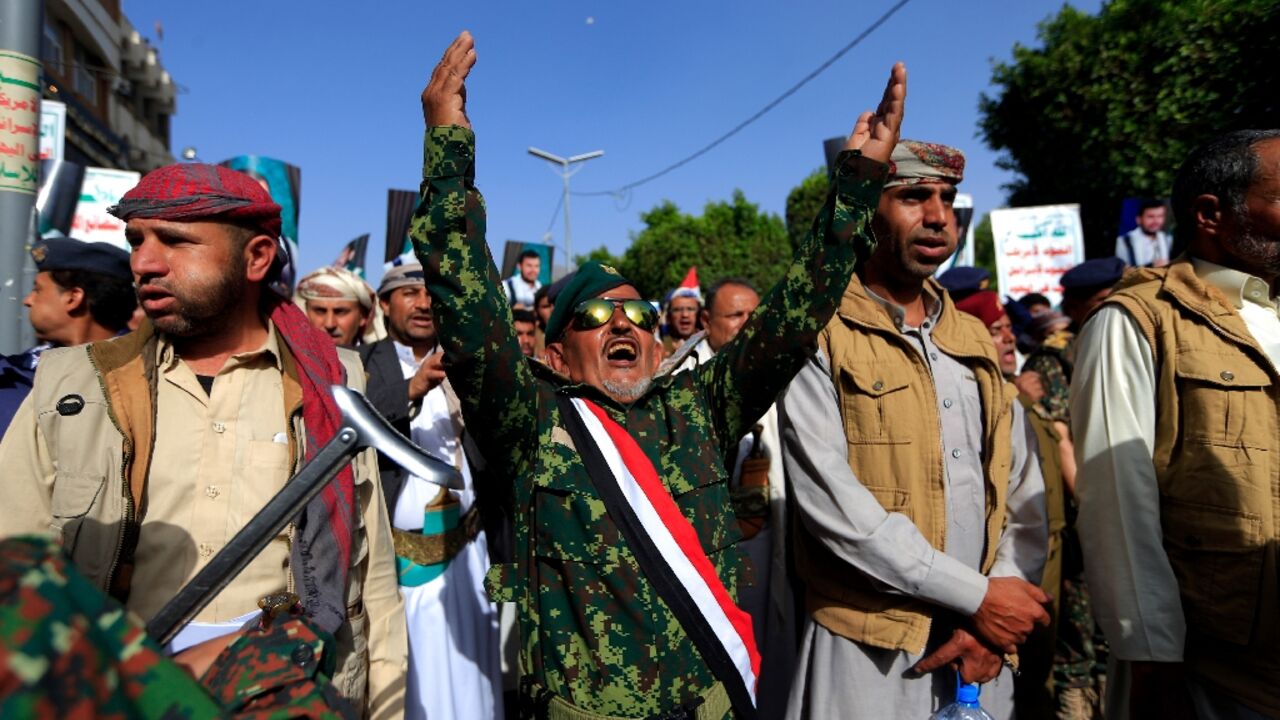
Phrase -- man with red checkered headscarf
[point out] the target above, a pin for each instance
(146, 454)
(920, 526)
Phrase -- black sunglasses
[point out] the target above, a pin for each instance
(593, 313)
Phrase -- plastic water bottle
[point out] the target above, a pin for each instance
(965, 707)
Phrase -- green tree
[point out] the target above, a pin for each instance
(1110, 105)
(984, 248)
(803, 203)
(731, 238)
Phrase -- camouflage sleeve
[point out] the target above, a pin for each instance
(1056, 401)
(748, 374)
(483, 361)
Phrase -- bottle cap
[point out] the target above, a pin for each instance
(968, 692)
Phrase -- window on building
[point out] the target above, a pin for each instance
(86, 77)
(51, 51)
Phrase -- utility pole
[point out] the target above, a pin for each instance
(566, 172)
(20, 78)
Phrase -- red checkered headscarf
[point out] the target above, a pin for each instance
(192, 191)
(321, 551)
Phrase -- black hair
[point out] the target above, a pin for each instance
(541, 293)
(528, 254)
(111, 299)
(1223, 167)
(724, 282)
(1149, 203)
(1030, 299)
(524, 316)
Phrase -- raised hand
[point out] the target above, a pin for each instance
(444, 100)
(876, 133)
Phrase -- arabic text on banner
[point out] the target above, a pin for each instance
(1035, 246)
(102, 188)
(19, 122)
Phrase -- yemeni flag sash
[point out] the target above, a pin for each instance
(666, 548)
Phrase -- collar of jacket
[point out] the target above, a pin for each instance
(857, 308)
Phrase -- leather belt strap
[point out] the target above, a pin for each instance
(440, 547)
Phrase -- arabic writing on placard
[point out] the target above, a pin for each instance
(1035, 246)
(19, 122)
(101, 188)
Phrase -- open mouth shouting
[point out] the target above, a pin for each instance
(622, 352)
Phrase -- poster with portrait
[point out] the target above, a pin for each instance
(1035, 246)
(282, 180)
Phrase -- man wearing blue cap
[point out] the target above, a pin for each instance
(1174, 405)
(83, 292)
(626, 569)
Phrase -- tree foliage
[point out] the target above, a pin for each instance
(803, 203)
(1110, 105)
(731, 238)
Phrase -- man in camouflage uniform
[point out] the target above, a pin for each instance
(596, 639)
(66, 649)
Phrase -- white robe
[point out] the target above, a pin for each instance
(454, 667)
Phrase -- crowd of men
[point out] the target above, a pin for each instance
(837, 498)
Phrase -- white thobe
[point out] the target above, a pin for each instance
(845, 679)
(454, 667)
(1132, 587)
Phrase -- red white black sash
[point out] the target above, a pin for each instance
(666, 548)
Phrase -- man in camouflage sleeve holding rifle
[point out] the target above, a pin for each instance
(625, 565)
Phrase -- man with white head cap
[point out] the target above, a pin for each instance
(920, 522)
(342, 304)
(441, 547)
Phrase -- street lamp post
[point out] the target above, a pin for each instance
(566, 172)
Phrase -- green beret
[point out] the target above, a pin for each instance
(591, 279)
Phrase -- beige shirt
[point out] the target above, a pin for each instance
(218, 459)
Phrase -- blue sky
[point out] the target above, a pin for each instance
(334, 88)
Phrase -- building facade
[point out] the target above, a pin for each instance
(119, 97)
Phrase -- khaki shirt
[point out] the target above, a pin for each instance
(215, 464)
(218, 459)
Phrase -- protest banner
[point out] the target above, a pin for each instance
(100, 189)
(1034, 247)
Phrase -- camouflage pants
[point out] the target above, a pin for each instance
(1080, 656)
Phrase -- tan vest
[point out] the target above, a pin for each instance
(101, 477)
(1217, 463)
(889, 407)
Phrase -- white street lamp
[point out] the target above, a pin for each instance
(566, 172)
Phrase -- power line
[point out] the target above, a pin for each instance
(555, 213)
(760, 113)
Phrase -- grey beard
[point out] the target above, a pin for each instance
(627, 391)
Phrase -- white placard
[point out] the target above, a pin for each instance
(1035, 246)
(53, 129)
(102, 188)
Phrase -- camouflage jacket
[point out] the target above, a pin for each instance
(1053, 360)
(68, 650)
(594, 632)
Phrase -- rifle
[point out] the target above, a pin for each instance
(362, 427)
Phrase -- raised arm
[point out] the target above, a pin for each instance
(748, 374)
(482, 358)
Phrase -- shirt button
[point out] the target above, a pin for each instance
(219, 427)
(946, 403)
(933, 356)
(1228, 375)
(877, 385)
(212, 491)
(927, 325)
(955, 453)
(206, 549)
